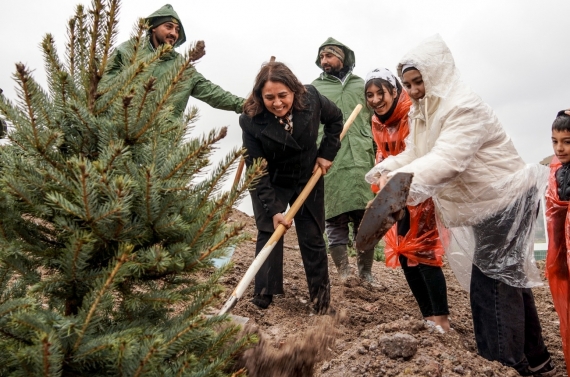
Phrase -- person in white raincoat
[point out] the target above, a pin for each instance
(486, 201)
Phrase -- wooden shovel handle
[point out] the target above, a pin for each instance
(280, 231)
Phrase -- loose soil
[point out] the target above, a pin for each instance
(296, 342)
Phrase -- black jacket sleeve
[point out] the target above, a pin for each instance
(263, 190)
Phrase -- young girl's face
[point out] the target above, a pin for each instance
(414, 84)
(561, 145)
(380, 99)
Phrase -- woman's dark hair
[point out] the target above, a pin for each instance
(385, 84)
(562, 122)
(275, 72)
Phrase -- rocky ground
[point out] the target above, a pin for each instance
(377, 331)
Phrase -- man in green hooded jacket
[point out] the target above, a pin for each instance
(166, 27)
(346, 191)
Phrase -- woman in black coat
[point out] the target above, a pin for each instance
(280, 124)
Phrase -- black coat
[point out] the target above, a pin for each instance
(290, 158)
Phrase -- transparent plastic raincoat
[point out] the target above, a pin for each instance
(486, 197)
(557, 271)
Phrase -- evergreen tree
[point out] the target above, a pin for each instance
(111, 216)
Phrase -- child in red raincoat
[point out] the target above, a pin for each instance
(413, 242)
(558, 226)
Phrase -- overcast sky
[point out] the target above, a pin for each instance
(515, 54)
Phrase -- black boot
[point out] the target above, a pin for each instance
(364, 260)
(262, 301)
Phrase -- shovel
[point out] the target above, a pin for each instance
(280, 231)
(383, 211)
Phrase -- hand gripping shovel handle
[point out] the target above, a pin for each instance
(280, 231)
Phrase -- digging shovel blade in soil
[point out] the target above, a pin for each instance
(384, 210)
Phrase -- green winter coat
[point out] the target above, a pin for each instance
(345, 187)
(197, 86)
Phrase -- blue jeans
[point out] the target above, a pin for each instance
(506, 323)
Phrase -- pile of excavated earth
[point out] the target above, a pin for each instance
(376, 330)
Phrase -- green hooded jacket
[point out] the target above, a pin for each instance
(197, 86)
(345, 187)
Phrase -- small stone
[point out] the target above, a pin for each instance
(432, 369)
(399, 345)
(366, 343)
(362, 350)
(459, 370)
(325, 367)
(418, 326)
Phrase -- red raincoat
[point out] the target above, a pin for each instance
(421, 244)
(557, 272)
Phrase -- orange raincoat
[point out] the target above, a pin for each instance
(557, 272)
(421, 244)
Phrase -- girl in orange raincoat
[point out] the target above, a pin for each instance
(558, 226)
(413, 242)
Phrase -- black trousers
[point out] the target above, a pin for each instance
(269, 279)
(426, 282)
(428, 286)
(506, 323)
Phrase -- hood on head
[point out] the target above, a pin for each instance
(349, 60)
(167, 10)
(433, 59)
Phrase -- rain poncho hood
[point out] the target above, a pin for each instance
(461, 157)
(345, 190)
(196, 85)
(349, 60)
(164, 11)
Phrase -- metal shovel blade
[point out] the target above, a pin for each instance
(383, 212)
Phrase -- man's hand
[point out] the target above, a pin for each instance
(381, 182)
(280, 219)
(567, 112)
(322, 163)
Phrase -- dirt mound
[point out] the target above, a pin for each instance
(296, 342)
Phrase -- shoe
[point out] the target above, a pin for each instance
(262, 301)
(544, 370)
(435, 327)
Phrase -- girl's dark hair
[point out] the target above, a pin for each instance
(562, 122)
(275, 72)
(381, 83)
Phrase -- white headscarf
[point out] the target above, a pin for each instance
(382, 73)
(406, 66)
